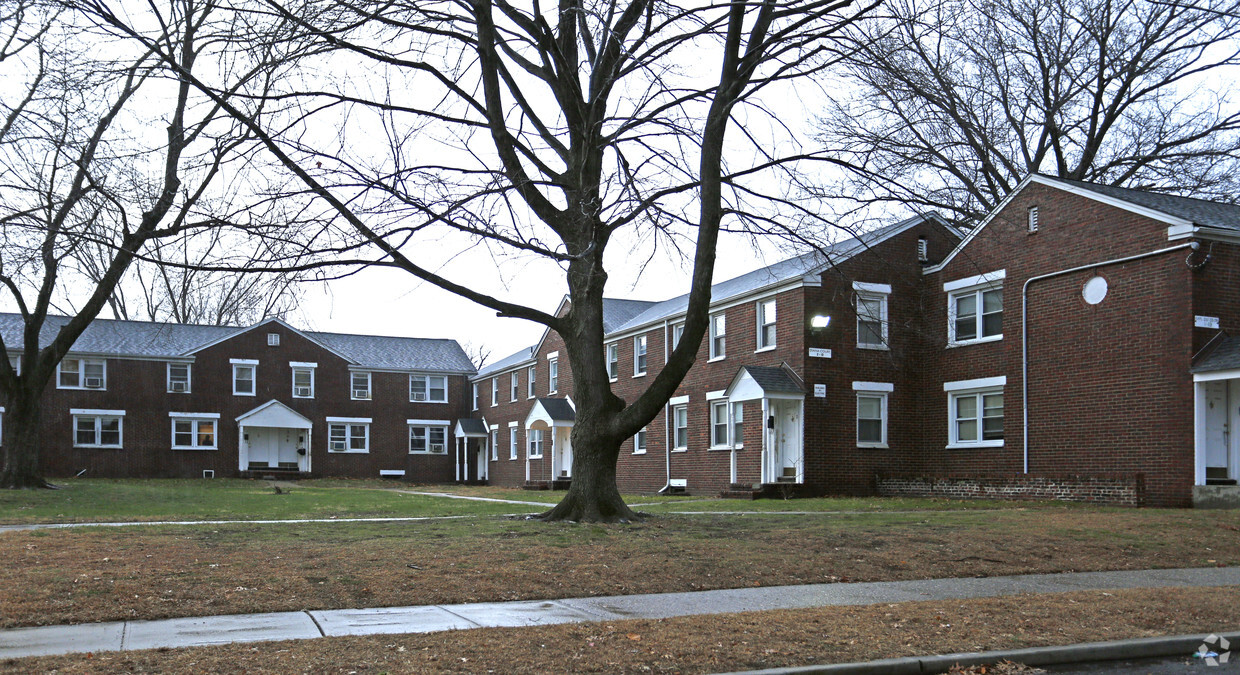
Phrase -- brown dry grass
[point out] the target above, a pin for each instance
(710, 643)
(99, 574)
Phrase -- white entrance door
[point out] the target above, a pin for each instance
(564, 444)
(268, 447)
(1217, 435)
(787, 440)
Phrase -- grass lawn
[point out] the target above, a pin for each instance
(709, 643)
(101, 500)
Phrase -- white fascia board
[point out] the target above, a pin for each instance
(712, 395)
(553, 355)
(1216, 375)
(979, 383)
(1203, 232)
(976, 280)
(866, 287)
(873, 386)
(243, 362)
(678, 400)
(197, 416)
(303, 364)
(95, 411)
(429, 423)
(349, 420)
(729, 303)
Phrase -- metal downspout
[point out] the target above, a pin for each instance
(1024, 327)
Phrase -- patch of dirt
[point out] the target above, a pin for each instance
(707, 644)
(103, 574)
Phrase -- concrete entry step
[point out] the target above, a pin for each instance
(1216, 496)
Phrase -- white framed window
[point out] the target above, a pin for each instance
(872, 321)
(194, 431)
(975, 413)
(515, 386)
(98, 428)
(359, 385)
(428, 388)
(427, 439)
(872, 413)
(494, 443)
(75, 373)
(738, 418)
(613, 361)
(512, 440)
(244, 377)
(639, 442)
(553, 375)
(678, 330)
(273, 339)
(494, 391)
(766, 324)
(975, 309)
(303, 379)
(348, 434)
(718, 336)
(531, 374)
(719, 425)
(475, 398)
(639, 355)
(15, 361)
(534, 443)
(178, 378)
(680, 428)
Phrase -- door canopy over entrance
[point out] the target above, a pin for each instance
(752, 383)
(274, 414)
(551, 412)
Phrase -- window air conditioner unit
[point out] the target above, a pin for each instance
(303, 392)
(437, 448)
(180, 387)
(419, 396)
(337, 446)
(94, 382)
(361, 393)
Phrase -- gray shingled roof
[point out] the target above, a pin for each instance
(1224, 356)
(165, 340)
(805, 265)
(773, 380)
(1199, 211)
(472, 426)
(520, 356)
(559, 409)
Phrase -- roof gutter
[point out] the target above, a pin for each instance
(1024, 327)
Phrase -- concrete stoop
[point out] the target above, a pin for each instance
(1216, 496)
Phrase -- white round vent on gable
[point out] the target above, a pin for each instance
(1095, 290)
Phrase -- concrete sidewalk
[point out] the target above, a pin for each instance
(212, 630)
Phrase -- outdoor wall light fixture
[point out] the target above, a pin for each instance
(820, 321)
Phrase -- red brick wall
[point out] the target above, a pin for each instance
(139, 388)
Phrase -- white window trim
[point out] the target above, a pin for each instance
(879, 390)
(369, 384)
(195, 418)
(428, 398)
(295, 366)
(514, 448)
(759, 315)
(553, 374)
(988, 279)
(711, 335)
(189, 377)
(98, 416)
(971, 285)
(529, 443)
(867, 291)
(348, 423)
(82, 361)
(475, 399)
(642, 450)
(495, 391)
(252, 364)
(677, 331)
(514, 386)
(985, 385)
(607, 352)
(493, 441)
(531, 375)
(727, 421)
(645, 342)
(427, 425)
(675, 407)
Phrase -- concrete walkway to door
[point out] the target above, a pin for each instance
(213, 630)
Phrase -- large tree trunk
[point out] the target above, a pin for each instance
(22, 442)
(592, 496)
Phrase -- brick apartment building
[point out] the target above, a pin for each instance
(900, 362)
(1076, 344)
(146, 399)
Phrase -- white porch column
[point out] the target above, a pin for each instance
(456, 456)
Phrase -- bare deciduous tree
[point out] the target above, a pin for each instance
(106, 146)
(957, 100)
(552, 132)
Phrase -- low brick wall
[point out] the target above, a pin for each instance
(1115, 489)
